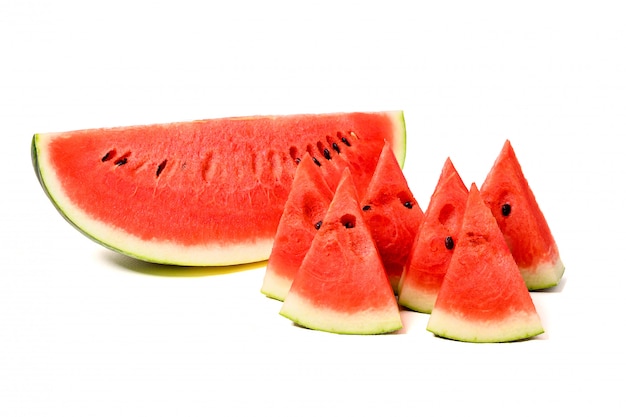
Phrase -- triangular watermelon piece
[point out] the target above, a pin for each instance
(305, 208)
(483, 297)
(431, 252)
(512, 202)
(392, 214)
(341, 286)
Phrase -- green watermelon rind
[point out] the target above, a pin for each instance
(369, 322)
(518, 326)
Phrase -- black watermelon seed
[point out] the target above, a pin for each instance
(121, 161)
(408, 204)
(506, 209)
(297, 160)
(348, 225)
(345, 140)
(317, 162)
(336, 147)
(108, 156)
(326, 153)
(367, 207)
(318, 225)
(449, 243)
(161, 167)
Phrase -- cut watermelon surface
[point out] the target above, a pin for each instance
(513, 204)
(304, 211)
(207, 192)
(392, 214)
(483, 296)
(433, 248)
(341, 286)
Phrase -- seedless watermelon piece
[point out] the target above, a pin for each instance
(392, 214)
(341, 286)
(206, 192)
(512, 202)
(432, 249)
(483, 297)
(305, 208)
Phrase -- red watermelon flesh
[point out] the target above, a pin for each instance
(341, 286)
(305, 208)
(483, 297)
(433, 248)
(392, 214)
(512, 202)
(206, 192)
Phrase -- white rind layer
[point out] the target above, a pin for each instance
(399, 148)
(419, 301)
(545, 275)
(518, 326)
(275, 285)
(306, 314)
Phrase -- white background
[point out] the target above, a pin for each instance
(87, 332)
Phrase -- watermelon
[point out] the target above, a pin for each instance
(392, 213)
(483, 296)
(432, 249)
(341, 286)
(305, 208)
(205, 192)
(511, 200)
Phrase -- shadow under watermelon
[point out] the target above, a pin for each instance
(119, 260)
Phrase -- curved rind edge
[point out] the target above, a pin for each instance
(519, 326)
(399, 145)
(367, 322)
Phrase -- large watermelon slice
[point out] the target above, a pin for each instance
(432, 249)
(512, 202)
(207, 192)
(305, 209)
(483, 297)
(392, 214)
(341, 286)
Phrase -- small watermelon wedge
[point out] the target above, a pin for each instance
(392, 214)
(305, 208)
(512, 202)
(341, 286)
(431, 252)
(483, 297)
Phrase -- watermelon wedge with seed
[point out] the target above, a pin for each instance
(305, 209)
(511, 200)
(341, 286)
(483, 296)
(433, 248)
(392, 213)
(205, 192)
